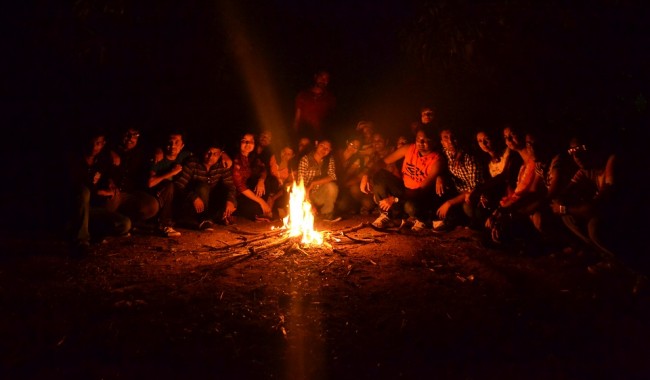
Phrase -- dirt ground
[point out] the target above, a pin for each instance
(372, 305)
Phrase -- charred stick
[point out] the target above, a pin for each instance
(350, 229)
(360, 240)
(266, 247)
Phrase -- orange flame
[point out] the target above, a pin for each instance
(300, 220)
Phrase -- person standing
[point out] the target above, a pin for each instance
(314, 107)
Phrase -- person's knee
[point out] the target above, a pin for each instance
(150, 208)
(331, 191)
(123, 226)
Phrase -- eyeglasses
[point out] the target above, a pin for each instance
(246, 142)
(135, 134)
(354, 146)
(575, 149)
(530, 143)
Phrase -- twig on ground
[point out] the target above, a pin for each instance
(350, 229)
(360, 240)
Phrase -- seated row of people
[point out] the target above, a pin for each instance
(519, 191)
(506, 189)
(118, 188)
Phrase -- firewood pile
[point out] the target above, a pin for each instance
(278, 242)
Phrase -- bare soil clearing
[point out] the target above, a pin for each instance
(376, 304)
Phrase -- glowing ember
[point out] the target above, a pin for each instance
(300, 220)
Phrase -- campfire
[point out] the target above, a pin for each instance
(300, 221)
(297, 232)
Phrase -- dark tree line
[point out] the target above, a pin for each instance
(584, 61)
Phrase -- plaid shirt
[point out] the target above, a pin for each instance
(310, 170)
(466, 171)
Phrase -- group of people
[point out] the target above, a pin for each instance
(121, 187)
(509, 183)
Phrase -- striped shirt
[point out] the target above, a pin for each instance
(196, 172)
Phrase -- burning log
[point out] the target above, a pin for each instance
(263, 236)
(266, 247)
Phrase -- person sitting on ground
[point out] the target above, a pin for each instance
(465, 173)
(249, 174)
(304, 146)
(317, 172)
(365, 129)
(162, 172)
(207, 190)
(554, 171)
(91, 185)
(263, 146)
(512, 218)
(503, 169)
(349, 166)
(265, 153)
(281, 169)
(128, 174)
(588, 206)
(381, 149)
(414, 194)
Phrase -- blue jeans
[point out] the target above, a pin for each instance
(324, 198)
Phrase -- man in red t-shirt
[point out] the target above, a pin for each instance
(313, 108)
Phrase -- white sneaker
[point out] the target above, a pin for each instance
(418, 226)
(382, 222)
(170, 232)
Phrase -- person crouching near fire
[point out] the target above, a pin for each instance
(416, 193)
(207, 189)
(317, 171)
